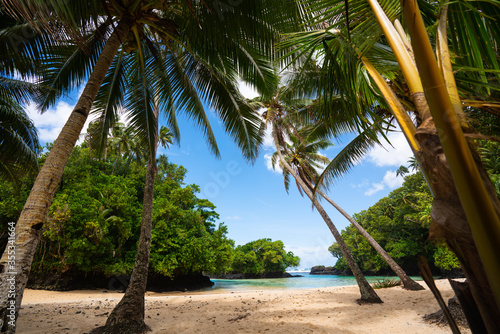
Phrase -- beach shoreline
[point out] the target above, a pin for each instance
(323, 310)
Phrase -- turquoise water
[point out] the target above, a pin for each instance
(306, 282)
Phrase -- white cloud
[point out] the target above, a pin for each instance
(391, 156)
(233, 218)
(269, 164)
(50, 123)
(313, 255)
(376, 187)
(268, 142)
(247, 91)
(363, 184)
(392, 180)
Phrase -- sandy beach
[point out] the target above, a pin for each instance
(325, 310)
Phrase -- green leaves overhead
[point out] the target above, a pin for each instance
(18, 141)
(474, 38)
(180, 55)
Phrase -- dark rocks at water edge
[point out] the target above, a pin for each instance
(322, 270)
(254, 276)
(77, 280)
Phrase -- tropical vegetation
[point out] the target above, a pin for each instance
(263, 257)
(400, 223)
(177, 43)
(425, 66)
(364, 65)
(94, 222)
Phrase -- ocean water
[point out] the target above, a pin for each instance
(305, 282)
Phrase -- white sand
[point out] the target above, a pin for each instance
(325, 310)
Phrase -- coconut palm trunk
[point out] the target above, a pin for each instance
(14, 271)
(407, 281)
(449, 219)
(465, 208)
(128, 315)
(367, 293)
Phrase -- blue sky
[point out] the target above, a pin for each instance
(251, 199)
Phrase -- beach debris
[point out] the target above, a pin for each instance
(243, 316)
(102, 314)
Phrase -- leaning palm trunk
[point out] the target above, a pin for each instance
(128, 315)
(482, 215)
(14, 276)
(407, 281)
(465, 208)
(367, 293)
(449, 220)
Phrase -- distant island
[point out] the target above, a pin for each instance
(322, 270)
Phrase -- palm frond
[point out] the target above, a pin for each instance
(18, 141)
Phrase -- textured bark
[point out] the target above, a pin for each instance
(34, 213)
(128, 315)
(407, 281)
(421, 105)
(450, 223)
(367, 293)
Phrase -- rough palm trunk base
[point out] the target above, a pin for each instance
(449, 222)
(412, 285)
(131, 327)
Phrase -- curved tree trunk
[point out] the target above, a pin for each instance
(367, 293)
(449, 221)
(407, 281)
(128, 315)
(366, 290)
(460, 194)
(14, 271)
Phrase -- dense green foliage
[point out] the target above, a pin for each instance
(263, 256)
(93, 223)
(400, 224)
(94, 220)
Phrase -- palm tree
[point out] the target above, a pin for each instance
(465, 208)
(165, 137)
(18, 143)
(120, 141)
(19, 138)
(128, 315)
(96, 36)
(279, 115)
(367, 292)
(302, 155)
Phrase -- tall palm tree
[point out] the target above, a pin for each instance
(367, 293)
(303, 156)
(465, 209)
(95, 36)
(280, 117)
(128, 315)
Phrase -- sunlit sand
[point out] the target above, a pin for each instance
(325, 310)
